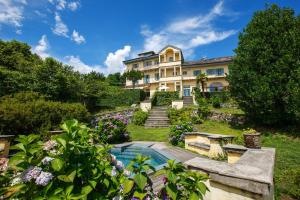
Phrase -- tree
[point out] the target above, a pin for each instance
(134, 76)
(116, 79)
(264, 76)
(201, 78)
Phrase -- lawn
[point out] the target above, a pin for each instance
(287, 166)
(140, 133)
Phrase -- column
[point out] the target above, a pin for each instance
(159, 73)
(175, 89)
(180, 73)
(174, 71)
(165, 72)
(180, 93)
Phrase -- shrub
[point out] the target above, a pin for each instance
(216, 102)
(187, 114)
(113, 129)
(139, 117)
(121, 97)
(264, 76)
(176, 136)
(27, 112)
(164, 98)
(203, 108)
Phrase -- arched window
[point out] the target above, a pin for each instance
(216, 86)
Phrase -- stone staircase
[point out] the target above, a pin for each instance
(158, 118)
(187, 101)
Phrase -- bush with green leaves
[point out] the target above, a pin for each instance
(264, 76)
(72, 166)
(203, 108)
(176, 135)
(163, 98)
(139, 117)
(182, 184)
(216, 102)
(28, 112)
(113, 129)
(186, 114)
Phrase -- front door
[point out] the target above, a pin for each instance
(186, 91)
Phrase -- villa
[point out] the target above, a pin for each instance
(168, 71)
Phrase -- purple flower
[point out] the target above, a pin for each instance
(3, 164)
(119, 165)
(47, 160)
(114, 171)
(126, 172)
(31, 173)
(44, 178)
(165, 180)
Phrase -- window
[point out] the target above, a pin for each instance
(217, 86)
(135, 65)
(174, 74)
(184, 73)
(156, 62)
(156, 76)
(197, 72)
(171, 59)
(215, 72)
(162, 59)
(146, 79)
(147, 63)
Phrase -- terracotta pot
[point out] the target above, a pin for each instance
(252, 140)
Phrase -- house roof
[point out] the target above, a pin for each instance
(219, 60)
(140, 58)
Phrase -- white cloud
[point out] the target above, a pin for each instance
(114, 61)
(60, 28)
(77, 37)
(80, 66)
(11, 13)
(73, 5)
(61, 4)
(42, 47)
(188, 33)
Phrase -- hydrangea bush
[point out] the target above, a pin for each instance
(113, 129)
(72, 166)
(176, 136)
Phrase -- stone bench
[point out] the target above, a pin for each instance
(207, 144)
(251, 177)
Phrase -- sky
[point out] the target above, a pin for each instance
(97, 35)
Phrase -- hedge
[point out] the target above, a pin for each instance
(27, 112)
(162, 98)
(122, 98)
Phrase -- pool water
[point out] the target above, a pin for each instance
(126, 154)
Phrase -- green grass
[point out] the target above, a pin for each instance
(140, 133)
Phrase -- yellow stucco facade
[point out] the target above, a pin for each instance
(168, 71)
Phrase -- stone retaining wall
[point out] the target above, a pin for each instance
(226, 117)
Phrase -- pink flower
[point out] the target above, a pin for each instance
(3, 164)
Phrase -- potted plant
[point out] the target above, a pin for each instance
(252, 139)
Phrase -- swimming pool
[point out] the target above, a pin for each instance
(127, 153)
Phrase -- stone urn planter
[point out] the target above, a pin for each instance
(252, 139)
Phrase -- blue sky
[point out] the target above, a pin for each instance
(99, 34)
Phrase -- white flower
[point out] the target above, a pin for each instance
(44, 178)
(50, 144)
(126, 172)
(15, 181)
(114, 171)
(47, 160)
(119, 165)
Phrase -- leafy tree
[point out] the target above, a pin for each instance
(16, 55)
(264, 76)
(134, 76)
(116, 79)
(201, 79)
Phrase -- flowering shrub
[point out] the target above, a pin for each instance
(70, 166)
(113, 129)
(188, 114)
(66, 167)
(139, 117)
(176, 135)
